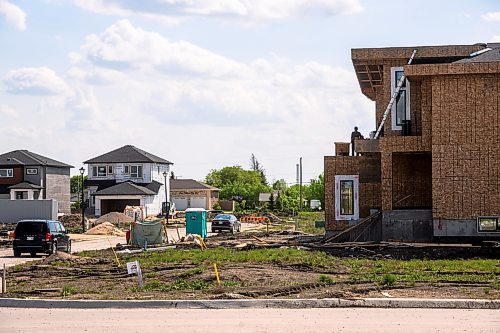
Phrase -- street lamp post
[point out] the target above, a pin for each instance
(167, 206)
(82, 204)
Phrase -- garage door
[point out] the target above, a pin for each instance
(198, 202)
(180, 203)
(113, 205)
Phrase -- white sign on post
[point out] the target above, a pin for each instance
(132, 267)
(135, 268)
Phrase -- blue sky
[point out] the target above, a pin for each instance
(206, 83)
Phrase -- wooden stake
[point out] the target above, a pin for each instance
(113, 249)
(257, 238)
(4, 281)
(217, 274)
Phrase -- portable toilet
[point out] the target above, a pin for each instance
(196, 222)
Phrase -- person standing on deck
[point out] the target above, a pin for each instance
(355, 135)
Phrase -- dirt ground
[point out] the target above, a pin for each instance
(99, 277)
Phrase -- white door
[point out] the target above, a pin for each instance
(180, 203)
(347, 197)
(198, 202)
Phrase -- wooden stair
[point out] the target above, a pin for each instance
(353, 233)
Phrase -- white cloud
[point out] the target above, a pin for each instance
(495, 39)
(254, 11)
(131, 86)
(7, 111)
(123, 46)
(35, 81)
(491, 17)
(14, 15)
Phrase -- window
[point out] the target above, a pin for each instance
(136, 171)
(52, 226)
(21, 195)
(401, 108)
(32, 171)
(99, 171)
(6, 173)
(347, 197)
(110, 169)
(126, 169)
(486, 224)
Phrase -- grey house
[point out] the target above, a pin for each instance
(28, 176)
(127, 176)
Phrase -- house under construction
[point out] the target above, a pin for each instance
(431, 168)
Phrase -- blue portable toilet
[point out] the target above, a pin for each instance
(196, 222)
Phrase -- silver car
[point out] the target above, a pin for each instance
(226, 222)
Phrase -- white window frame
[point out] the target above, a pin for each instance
(96, 172)
(31, 171)
(9, 173)
(395, 126)
(338, 215)
(110, 169)
(136, 174)
(126, 169)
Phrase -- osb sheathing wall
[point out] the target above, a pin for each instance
(465, 145)
(368, 169)
(411, 181)
(384, 53)
(421, 105)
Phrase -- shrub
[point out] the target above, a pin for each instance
(388, 280)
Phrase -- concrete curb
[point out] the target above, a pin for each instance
(254, 303)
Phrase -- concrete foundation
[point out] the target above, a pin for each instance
(460, 228)
(412, 225)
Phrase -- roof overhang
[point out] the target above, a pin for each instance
(369, 62)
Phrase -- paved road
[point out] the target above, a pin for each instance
(362, 320)
(79, 243)
(172, 231)
(93, 242)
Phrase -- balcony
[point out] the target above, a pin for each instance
(366, 146)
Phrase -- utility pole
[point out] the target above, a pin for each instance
(82, 205)
(300, 184)
(167, 203)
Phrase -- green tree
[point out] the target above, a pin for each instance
(271, 201)
(237, 183)
(76, 183)
(256, 166)
(279, 205)
(290, 199)
(280, 185)
(316, 190)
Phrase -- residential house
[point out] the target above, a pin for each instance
(189, 193)
(28, 176)
(127, 176)
(435, 172)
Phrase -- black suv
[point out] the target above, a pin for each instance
(35, 236)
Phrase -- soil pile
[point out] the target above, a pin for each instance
(115, 218)
(105, 228)
(63, 256)
(72, 222)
